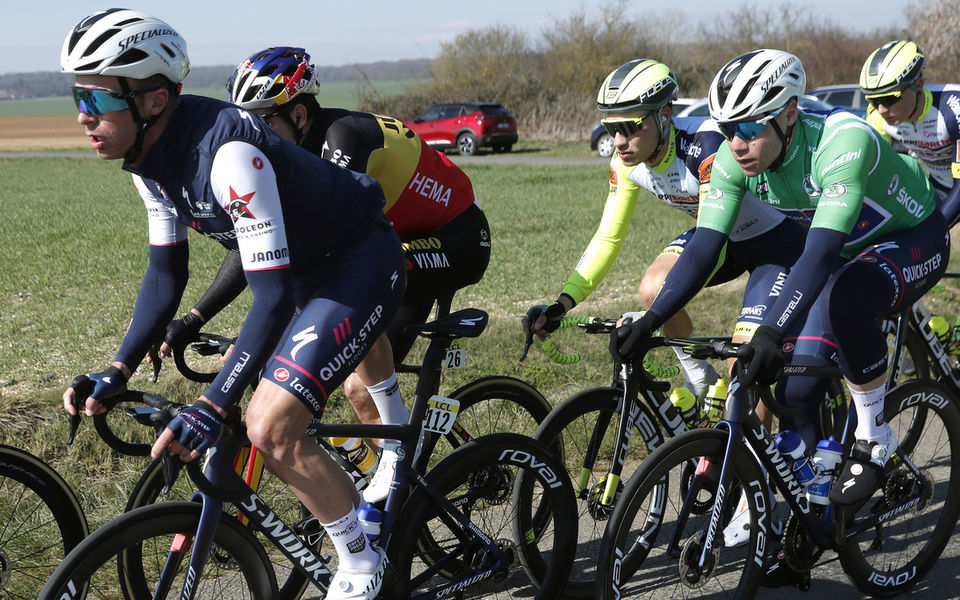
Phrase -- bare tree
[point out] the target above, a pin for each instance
(935, 26)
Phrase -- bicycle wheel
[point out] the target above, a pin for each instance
(891, 556)
(293, 583)
(40, 521)
(588, 415)
(655, 535)
(478, 479)
(487, 405)
(833, 409)
(236, 568)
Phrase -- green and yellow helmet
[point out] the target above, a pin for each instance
(641, 84)
(891, 67)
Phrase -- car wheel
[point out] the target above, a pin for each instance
(605, 145)
(467, 144)
(507, 148)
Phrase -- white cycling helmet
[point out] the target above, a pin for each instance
(125, 43)
(754, 84)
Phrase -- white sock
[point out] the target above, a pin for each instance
(869, 405)
(353, 549)
(386, 395)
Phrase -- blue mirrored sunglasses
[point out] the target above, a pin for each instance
(98, 102)
(747, 130)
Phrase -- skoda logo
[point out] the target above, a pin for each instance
(809, 187)
(714, 193)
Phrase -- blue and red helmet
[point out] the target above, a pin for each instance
(272, 77)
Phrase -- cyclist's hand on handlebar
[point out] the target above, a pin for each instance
(181, 332)
(192, 431)
(89, 388)
(630, 334)
(543, 319)
(766, 366)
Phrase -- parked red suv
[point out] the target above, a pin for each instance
(466, 126)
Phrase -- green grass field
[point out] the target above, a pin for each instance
(74, 247)
(342, 94)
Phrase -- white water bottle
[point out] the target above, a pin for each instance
(370, 519)
(790, 444)
(828, 455)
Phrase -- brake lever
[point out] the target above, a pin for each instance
(82, 388)
(526, 346)
(156, 361)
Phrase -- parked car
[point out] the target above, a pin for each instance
(848, 96)
(466, 126)
(600, 140)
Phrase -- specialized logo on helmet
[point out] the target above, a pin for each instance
(144, 35)
(238, 205)
(776, 74)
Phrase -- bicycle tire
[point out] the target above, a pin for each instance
(292, 583)
(834, 408)
(569, 427)
(916, 352)
(238, 558)
(491, 404)
(888, 559)
(638, 561)
(479, 479)
(42, 520)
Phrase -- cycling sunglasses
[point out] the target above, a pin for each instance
(93, 101)
(887, 100)
(626, 127)
(747, 130)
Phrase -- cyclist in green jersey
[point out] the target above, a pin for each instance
(671, 159)
(875, 245)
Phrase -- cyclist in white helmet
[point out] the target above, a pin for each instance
(836, 173)
(670, 158)
(211, 166)
(925, 119)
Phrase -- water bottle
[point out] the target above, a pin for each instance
(949, 336)
(825, 460)
(791, 445)
(370, 519)
(715, 401)
(686, 404)
(354, 450)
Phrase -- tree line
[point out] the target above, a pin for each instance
(550, 82)
(49, 84)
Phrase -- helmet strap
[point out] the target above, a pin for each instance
(143, 124)
(785, 138)
(661, 136)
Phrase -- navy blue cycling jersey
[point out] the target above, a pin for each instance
(221, 171)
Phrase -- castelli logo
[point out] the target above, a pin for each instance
(257, 163)
(788, 347)
(281, 374)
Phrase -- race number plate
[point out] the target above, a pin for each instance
(440, 415)
(456, 357)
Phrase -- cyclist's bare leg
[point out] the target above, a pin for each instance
(276, 423)
(679, 325)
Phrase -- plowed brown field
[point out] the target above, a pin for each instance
(40, 132)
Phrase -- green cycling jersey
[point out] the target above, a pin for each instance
(853, 182)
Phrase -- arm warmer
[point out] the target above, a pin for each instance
(225, 288)
(159, 297)
(807, 277)
(269, 315)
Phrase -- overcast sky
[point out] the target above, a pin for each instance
(338, 32)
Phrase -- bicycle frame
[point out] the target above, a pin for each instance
(918, 316)
(219, 483)
(746, 428)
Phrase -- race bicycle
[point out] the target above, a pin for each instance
(663, 539)
(453, 529)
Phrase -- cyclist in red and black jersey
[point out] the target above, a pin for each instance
(429, 201)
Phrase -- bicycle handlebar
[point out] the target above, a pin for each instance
(83, 389)
(204, 344)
